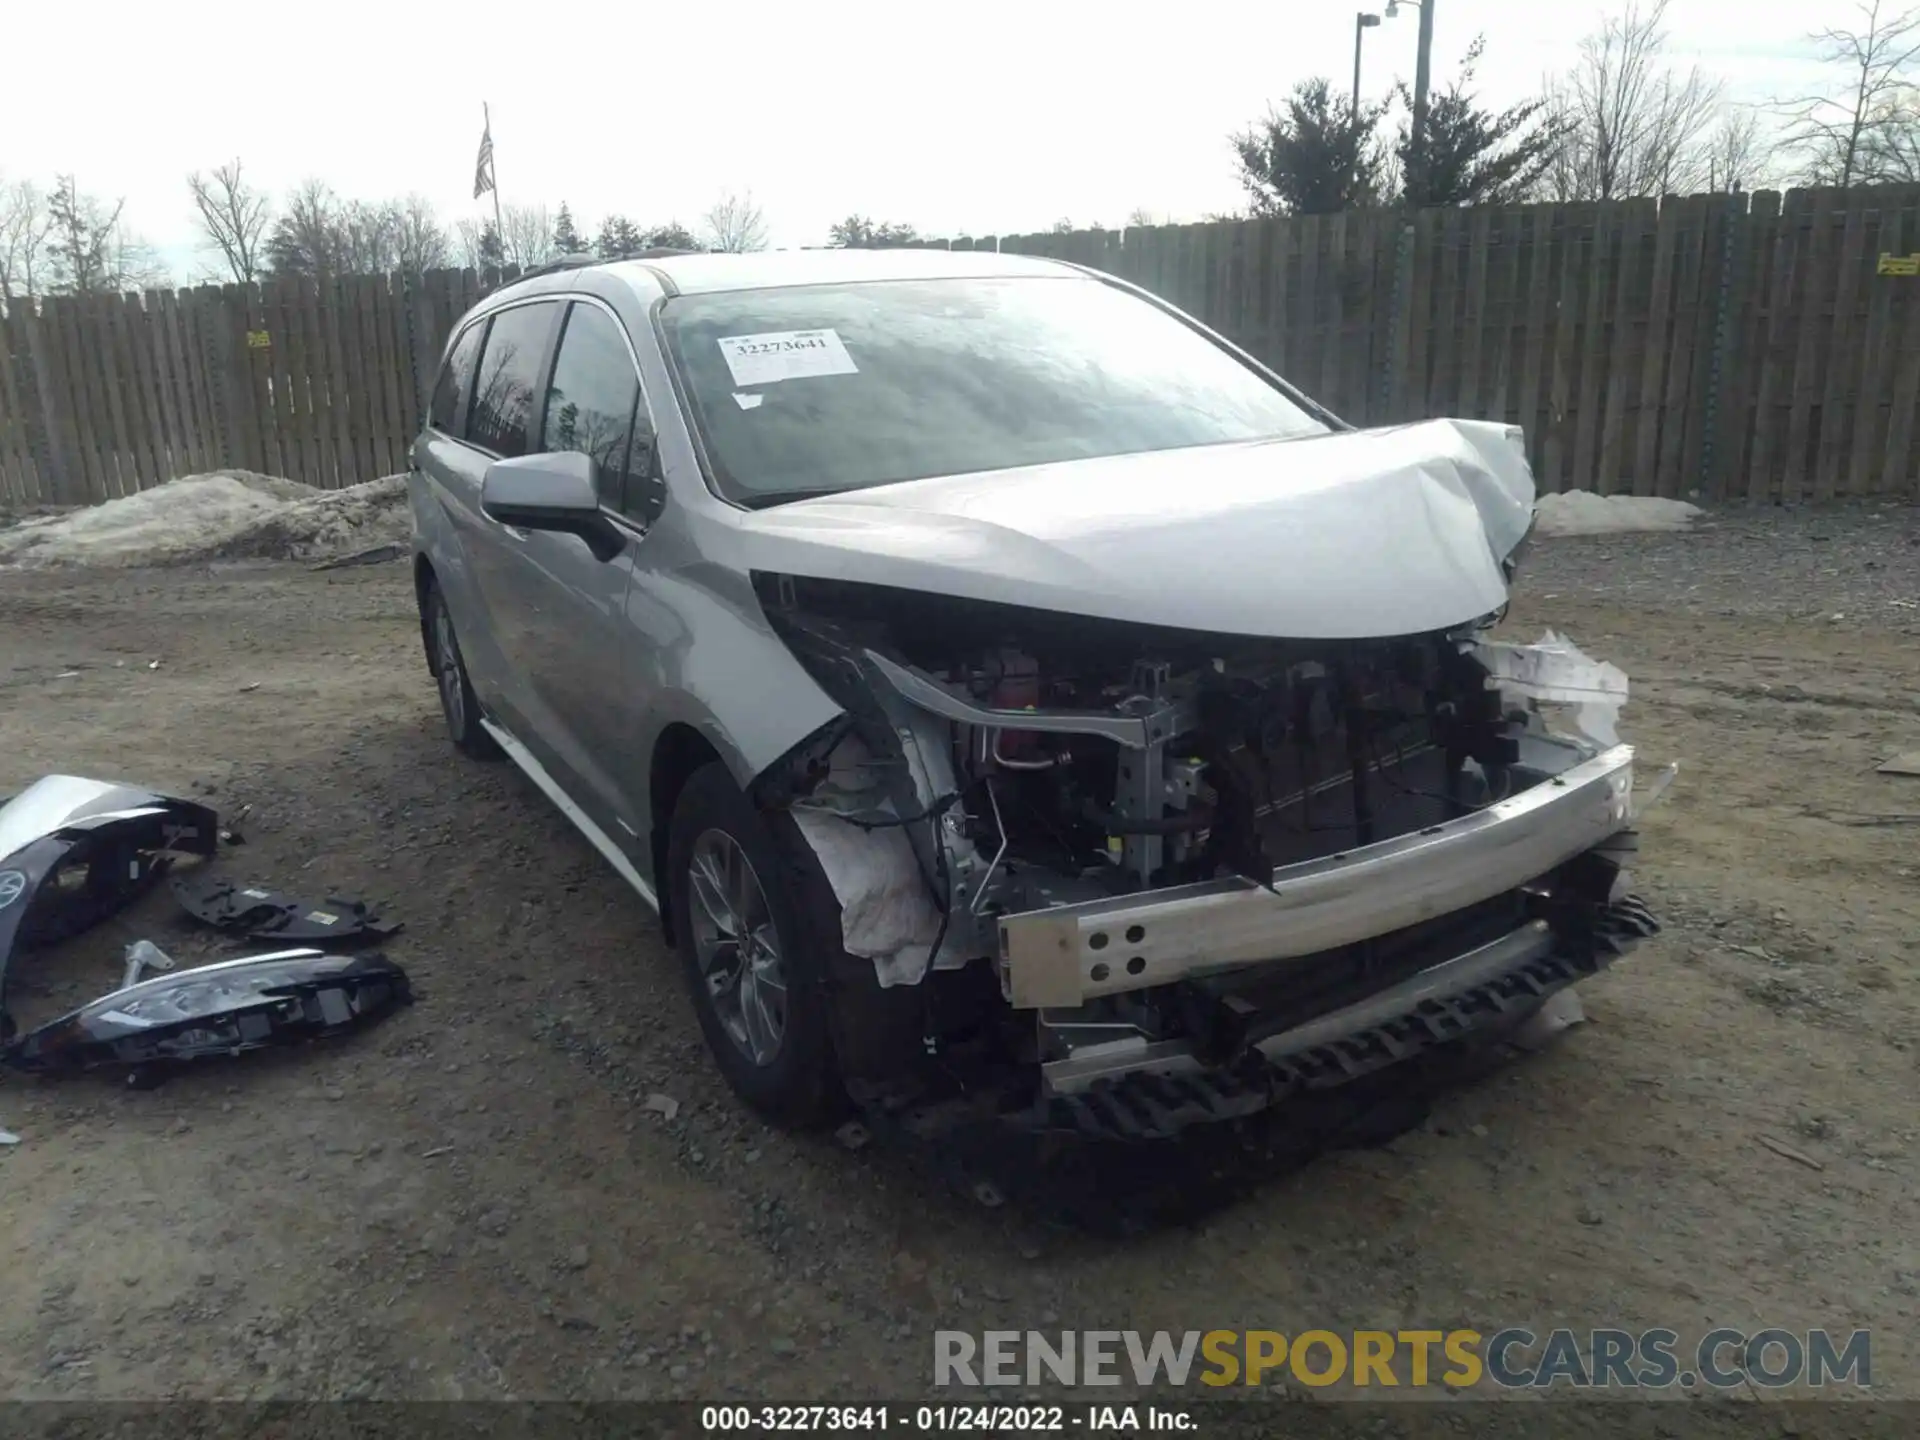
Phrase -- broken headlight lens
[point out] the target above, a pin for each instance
(221, 1009)
(209, 990)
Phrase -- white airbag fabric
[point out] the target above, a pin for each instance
(886, 914)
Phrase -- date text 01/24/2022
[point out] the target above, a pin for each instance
(975, 1419)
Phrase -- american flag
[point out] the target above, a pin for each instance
(483, 168)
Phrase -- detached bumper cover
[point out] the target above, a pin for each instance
(119, 836)
(1066, 956)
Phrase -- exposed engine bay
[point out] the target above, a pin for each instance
(1132, 827)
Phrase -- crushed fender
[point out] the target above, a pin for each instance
(258, 913)
(74, 851)
(283, 997)
(1557, 671)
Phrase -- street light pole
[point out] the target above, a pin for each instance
(1422, 68)
(1362, 22)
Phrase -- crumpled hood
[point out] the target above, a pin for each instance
(1355, 535)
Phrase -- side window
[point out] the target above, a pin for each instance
(593, 403)
(509, 371)
(456, 380)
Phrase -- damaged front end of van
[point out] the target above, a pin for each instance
(1205, 835)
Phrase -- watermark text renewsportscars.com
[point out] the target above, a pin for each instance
(1511, 1358)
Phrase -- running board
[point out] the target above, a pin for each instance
(596, 837)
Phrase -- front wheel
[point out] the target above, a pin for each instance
(754, 974)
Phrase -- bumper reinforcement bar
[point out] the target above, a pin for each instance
(1065, 956)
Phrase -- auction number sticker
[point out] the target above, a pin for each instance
(785, 355)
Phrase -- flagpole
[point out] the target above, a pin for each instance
(493, 160)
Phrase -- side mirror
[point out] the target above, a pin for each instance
(556, 491)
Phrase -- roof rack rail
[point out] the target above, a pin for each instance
(660, 252)
(565, 262)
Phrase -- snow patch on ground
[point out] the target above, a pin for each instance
(225, 515)
(1581, 512)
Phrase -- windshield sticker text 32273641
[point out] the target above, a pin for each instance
(785, 355)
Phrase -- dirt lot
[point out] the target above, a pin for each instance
(473, 1200)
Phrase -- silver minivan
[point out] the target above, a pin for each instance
(1005, 687)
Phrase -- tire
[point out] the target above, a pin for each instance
(459, 706)
(783, 1064)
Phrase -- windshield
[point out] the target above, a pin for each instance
(819, 389)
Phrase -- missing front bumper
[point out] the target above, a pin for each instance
(1145, 1089)
(1066, 956)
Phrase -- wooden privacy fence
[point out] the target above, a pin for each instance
(1729, 346)
(322, 382)
(1733, 346)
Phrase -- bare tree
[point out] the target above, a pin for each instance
(233, 219)
(420, 241)
(1868, 129)
(132, 263)
(25, 224)
(1893, 149)
(1736, 159)
(87, 251)
(736, 224)
(526, 235)
(1631, 124)
(305, 240)
(369, 237)
(321, 235)
(477, 245)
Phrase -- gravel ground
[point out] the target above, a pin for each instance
(1842, 564)
(481, 1198)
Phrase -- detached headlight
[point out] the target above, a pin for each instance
(220, 1009)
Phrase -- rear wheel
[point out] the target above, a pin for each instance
(753, 964)
(458, 704)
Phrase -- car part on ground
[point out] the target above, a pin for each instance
(142, 956)
(279, 998)
(230, 833)
(74, 851)
(260, 913)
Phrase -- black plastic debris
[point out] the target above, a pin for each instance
(230, 833)
(280, 998)
(74, 851)
(260, 913)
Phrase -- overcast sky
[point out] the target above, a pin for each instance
(978, 117)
